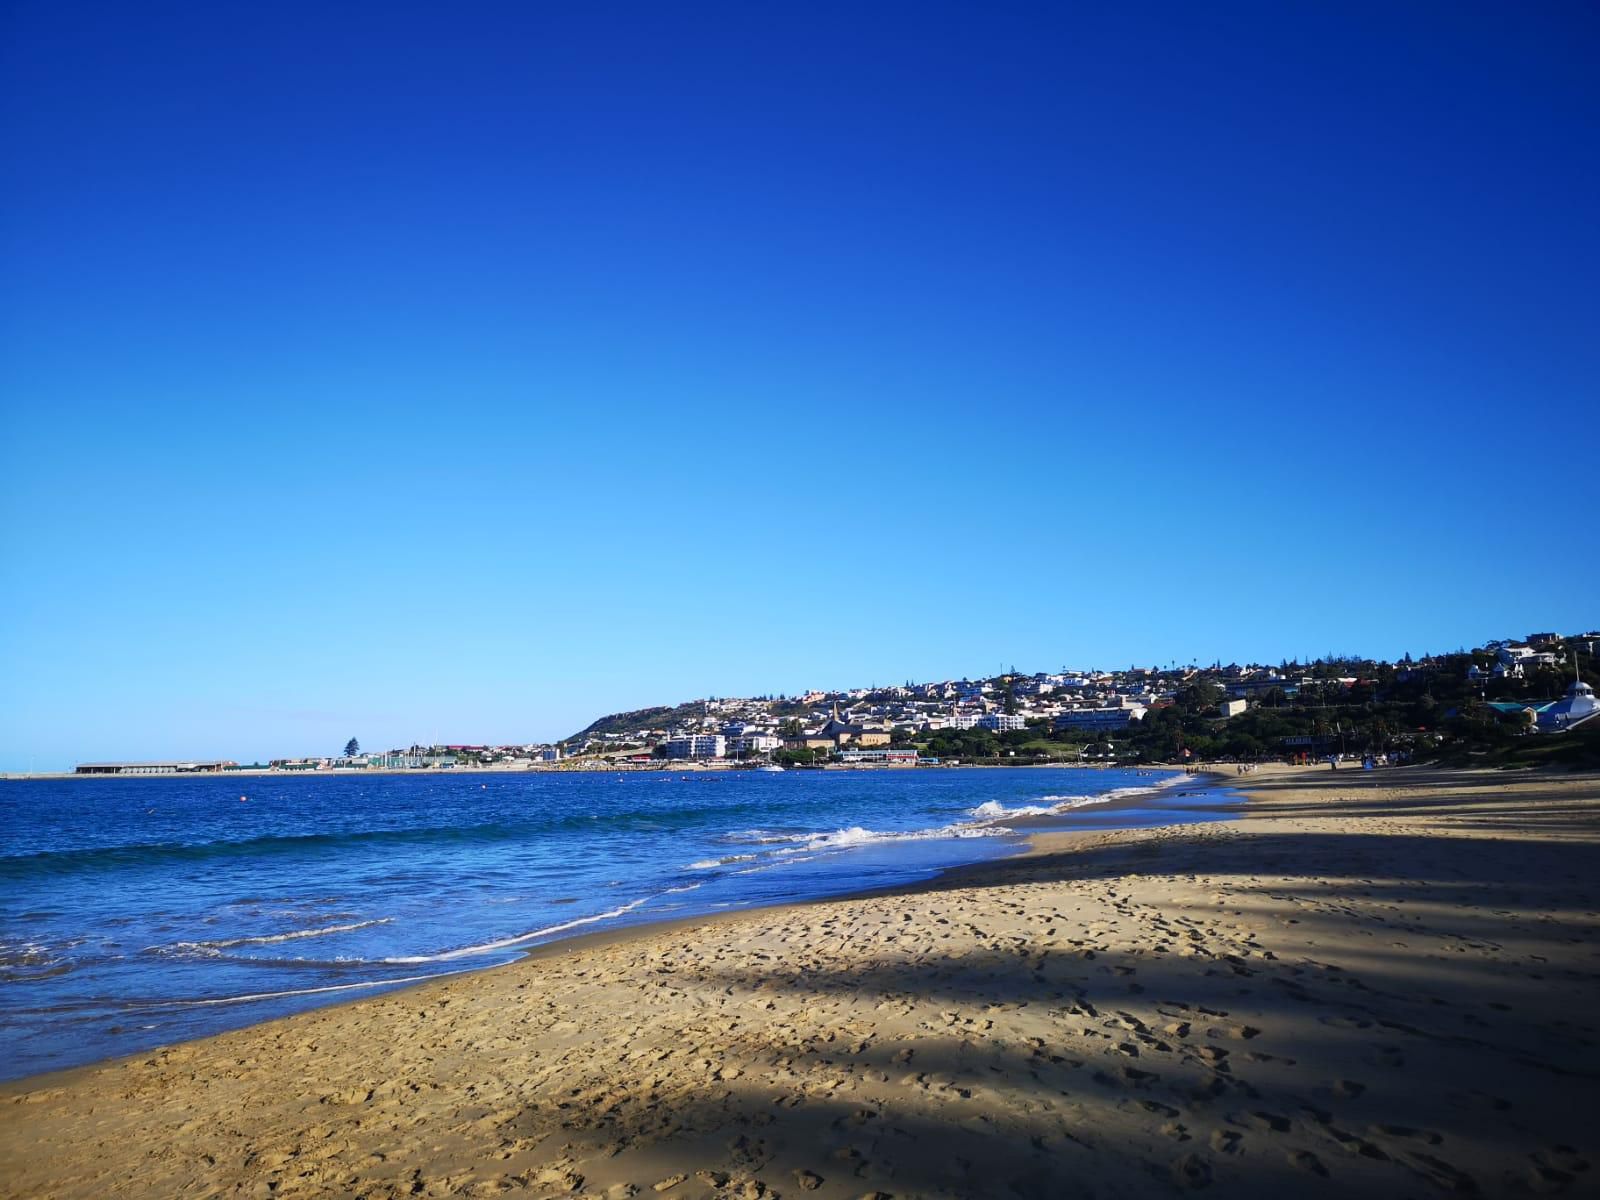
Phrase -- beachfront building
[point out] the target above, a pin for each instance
(754, 743)
(189, 767)
(1101, 718)
(1529, 712)
(1001, 722)
(837, 734)
(810, 741)
(843, 733)
(696, 745)
(395, 760)
(883, 757)
(1573, 709)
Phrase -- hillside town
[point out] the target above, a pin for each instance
(1086, 713)
(1500, 699)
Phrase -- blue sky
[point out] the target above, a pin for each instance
(463, 372)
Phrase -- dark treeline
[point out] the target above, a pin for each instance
(1432, 710)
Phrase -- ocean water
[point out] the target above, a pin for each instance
(139, 912)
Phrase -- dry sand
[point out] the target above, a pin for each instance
(1379, 983)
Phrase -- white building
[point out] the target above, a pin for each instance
(1576, 707)
(1001, 722)
(697, 745)
(893, 758)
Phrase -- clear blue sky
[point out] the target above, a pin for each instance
(460, 372)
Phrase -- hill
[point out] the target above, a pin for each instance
(661, 717)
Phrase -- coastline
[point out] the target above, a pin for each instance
(1145, 803)
(570, 766)
(1036, 995)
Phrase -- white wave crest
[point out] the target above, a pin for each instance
(520, 939)
(759, 837)
(221, 944)
(993, 810)
(1068, 803)
(855, 835)
(727, 860)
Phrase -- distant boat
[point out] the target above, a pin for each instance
(771, 769)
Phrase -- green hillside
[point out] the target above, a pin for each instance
(642, 718)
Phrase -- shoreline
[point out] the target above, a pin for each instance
(578, 767)
(1021, 828)
(623, 1058)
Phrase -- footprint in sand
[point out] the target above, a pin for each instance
(1545, 1180)
(1265, 1122)
(1307, 1161)
(1210, 1089)
(1442, 1174)
(1226, 1141)
(1405, 1131)
(1346, 1022)
(1191, 1171)
(1562, 1158)
(1387, 1056)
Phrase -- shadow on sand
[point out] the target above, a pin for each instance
(1308, 1012)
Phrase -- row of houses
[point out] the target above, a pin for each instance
(868, 720)
(1094, 701)
(430, 758)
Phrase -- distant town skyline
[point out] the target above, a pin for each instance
(363, 372)
(1104, 685)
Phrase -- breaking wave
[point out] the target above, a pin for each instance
(221, 944)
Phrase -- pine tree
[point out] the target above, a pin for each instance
(352, 748)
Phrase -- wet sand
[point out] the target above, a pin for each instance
(1385, 981)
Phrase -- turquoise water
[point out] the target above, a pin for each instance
(138, 912)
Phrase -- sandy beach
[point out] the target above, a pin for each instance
(1386, 981)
